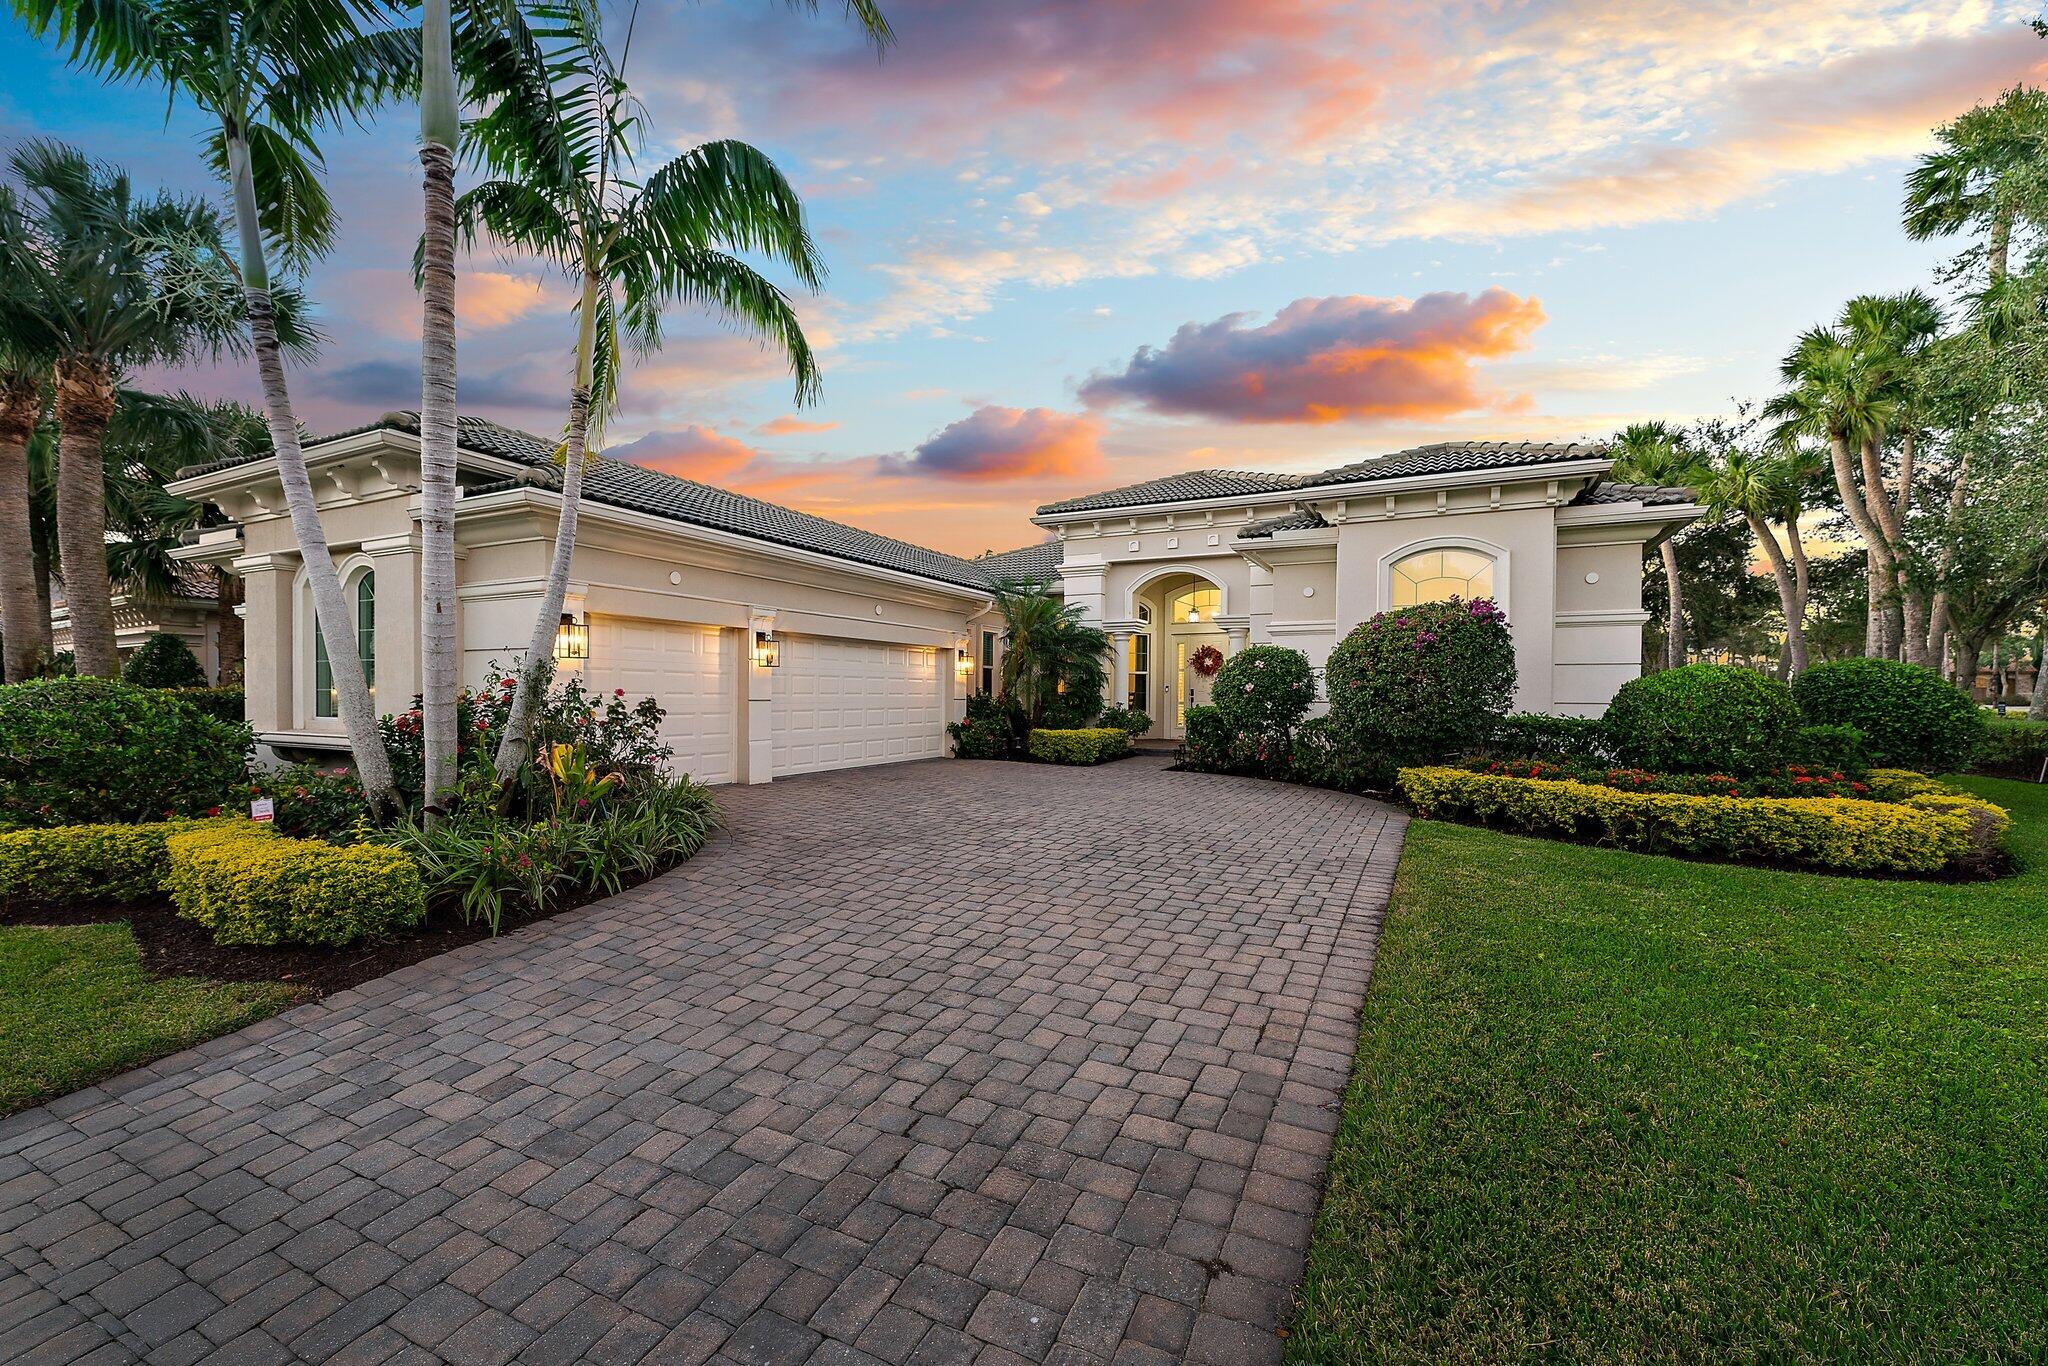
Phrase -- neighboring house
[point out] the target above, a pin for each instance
(192, 614)
(781, 643)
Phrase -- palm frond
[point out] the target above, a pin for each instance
(728, 195)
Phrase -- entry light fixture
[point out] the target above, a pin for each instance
(963, 661)
(767, 649)
(1194, 614)
(572, 639)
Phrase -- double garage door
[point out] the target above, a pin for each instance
(837, 703)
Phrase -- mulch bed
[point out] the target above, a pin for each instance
(175, 947)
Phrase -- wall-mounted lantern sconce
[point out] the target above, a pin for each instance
(572, 639)
(767, 649)
(963, 662)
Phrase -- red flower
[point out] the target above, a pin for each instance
(213, 811)
(618, 692)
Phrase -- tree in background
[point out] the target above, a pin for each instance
(1657, 453)
(103, 280)
(24, 620)
(271, 74)
(1047, 648)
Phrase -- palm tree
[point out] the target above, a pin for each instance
(271, 74)
(1891, 334)
(1791, 476)
(1750, 487)
(1967, 182)
(559, 133)
(1837, 397)
(104, 281)
(440, 132)
(1653, 453)
(1047, 646)
(23, 622)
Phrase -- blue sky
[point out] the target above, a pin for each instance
(1076, 244)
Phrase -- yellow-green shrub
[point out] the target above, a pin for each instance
(1897, 784)
(1091, 746)
(249, 885)
(87, 862)
(1931, 833)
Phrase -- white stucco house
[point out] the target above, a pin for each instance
(781, 643)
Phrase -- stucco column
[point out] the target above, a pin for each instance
(267, 618)
(757, 706)
(1236, 631)
(1120, 667)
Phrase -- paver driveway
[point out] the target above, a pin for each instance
(939, 1062)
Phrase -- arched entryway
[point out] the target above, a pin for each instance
(1176, 611)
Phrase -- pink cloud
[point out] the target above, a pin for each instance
(1345, 357)
(995, 445)
(792, 426)
(694, 452)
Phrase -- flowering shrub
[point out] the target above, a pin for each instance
(311, 802)
(617, 736)
(1703, 718)
(990, 729)
(1129, 720)
(1264, 692)
(1421, 683)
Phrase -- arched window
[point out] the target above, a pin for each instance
(1433, 575)
(1197, 604)
(362, 594)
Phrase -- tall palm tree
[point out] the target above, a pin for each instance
(559, 134)
(440, 133)
(1654, 453)
(102, 277)
(1835, 396)
(1791, 477)
(271, 74)
(23, 623)
(1966, 184)
(1892, 334)
(1046, 645)
(1749, 486)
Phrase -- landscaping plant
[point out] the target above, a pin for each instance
(77, 751)
(1263, 692)
(163, 661)
(1703, 718)
(1094, 745)
(1910, 717)
(989, 730)
(1422, 683)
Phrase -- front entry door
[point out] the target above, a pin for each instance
(1185, 687)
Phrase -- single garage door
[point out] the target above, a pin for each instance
(692, 671)
(843, 703)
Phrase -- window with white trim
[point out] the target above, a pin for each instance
(988, 662)
(1435, 575)
(361, 593)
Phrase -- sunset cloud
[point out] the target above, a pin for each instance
(1334, 359)
(792, 426)
(694, 452)
(992, 445)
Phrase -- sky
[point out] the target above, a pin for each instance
(1078, 243)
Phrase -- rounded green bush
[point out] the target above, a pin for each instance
(1264, 691)
(87, 751)
(1419, 684)
(1703, 718)
(163, 661)
(1910, 717)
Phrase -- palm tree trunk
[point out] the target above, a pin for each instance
(540, 649)
(1937, 617)
(227, 628)
(85, 404)
(439, 658)
(1882, 578)
(46, 644)
(1788, 592)
(330, 606)
(21, 402)
(1674, 634)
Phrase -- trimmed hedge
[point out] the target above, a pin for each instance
(88, 862)
(76, 751)
(2012, 748)
(249, 885)
(222, 704)
(1703, 718)
(1097, 744)
(1910, 717)
(1929, 833)
(1536, 735)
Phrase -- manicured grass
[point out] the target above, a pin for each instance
(76, 1006)
(1615, 1107)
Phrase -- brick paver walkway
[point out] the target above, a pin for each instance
(942, 1062)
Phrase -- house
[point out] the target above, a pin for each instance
(192, 612)
(781, 643)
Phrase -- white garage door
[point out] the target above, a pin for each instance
(842, 703)
(692, 671)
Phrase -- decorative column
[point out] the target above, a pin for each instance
(1236, 631)
(1120, 666)
(267, 582)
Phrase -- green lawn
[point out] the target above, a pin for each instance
(1614, 1107)
(76, 1006)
